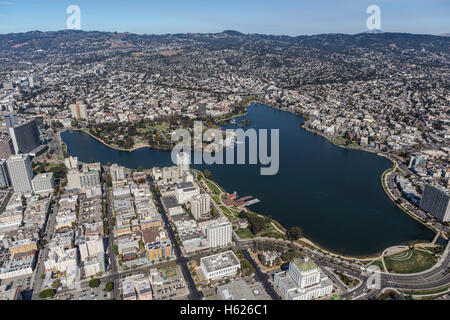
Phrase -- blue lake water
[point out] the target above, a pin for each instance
(333, 194)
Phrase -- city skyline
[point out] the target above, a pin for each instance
(292, 18)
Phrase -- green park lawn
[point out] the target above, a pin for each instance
(245, 233)
(409, 261)
(213, 187)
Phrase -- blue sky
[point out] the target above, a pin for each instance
(290, 17)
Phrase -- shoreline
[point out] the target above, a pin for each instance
(110, 146)
(368, 257)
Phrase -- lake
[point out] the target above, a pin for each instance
(334, 194)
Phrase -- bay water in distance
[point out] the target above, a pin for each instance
(334, 194)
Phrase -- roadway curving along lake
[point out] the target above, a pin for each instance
(333, 194)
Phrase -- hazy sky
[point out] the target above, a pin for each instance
(290, 17)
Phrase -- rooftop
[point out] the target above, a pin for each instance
(220, 261)
(305, 264)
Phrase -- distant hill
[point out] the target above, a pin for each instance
(81, 41)
(232, 33)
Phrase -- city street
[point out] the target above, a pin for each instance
(43, 253)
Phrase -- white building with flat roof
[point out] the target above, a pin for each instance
(59, 258)
(17, 267)
(43, 183)
(220, 265)
(218, 232)
(185, 191)
(90, 246)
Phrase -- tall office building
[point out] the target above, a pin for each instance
(78, 110)
(25, 136)
(20, 172)
(183, 162)
(436, 201)
(200, 205)
(4, 178)
(6, 146)
(218, 232)
(117, 173)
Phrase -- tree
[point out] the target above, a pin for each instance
(288, 255)
(257, 223)
(109, 180)
(242, 214)
(47, 293)
(294, 233)
(207, 174)
(56, 284)
(94, 283)
(109, 286)
(24, 201)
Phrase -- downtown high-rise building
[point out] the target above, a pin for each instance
(183, 162)
(436, 201)
(25, 136)
(200, 205)
(218, 232)
(20, 172)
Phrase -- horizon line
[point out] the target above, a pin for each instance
(377, 31)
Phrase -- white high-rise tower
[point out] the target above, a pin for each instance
(183, 162)
(20, 172)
